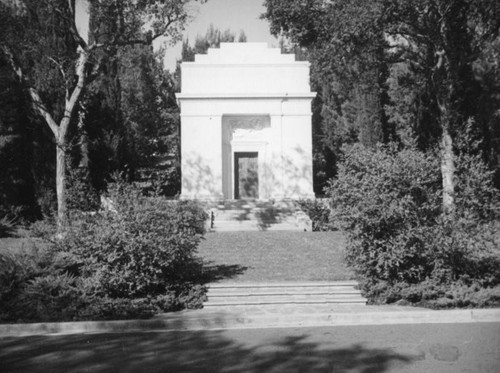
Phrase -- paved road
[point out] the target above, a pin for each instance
(390, 348)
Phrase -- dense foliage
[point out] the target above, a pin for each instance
(54, 62)
(133, 260)
(319, 212)
(399, 243)
(397, 70)
(126, 117)
(212, 39)
(420, 213)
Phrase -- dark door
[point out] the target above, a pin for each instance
(246, 175)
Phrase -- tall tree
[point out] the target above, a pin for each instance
(359, 44)
(17, 187)
(131, 122)
(441, 40)
(347, 62)
(212, 39)
(44, 47)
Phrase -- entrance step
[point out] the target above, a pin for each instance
(226, 295)
(246, 215)
(255, 225)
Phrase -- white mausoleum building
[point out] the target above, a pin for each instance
(246, 125)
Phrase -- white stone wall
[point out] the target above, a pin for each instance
(246, 82)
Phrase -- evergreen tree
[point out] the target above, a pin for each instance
(398, 63)
(43, 46)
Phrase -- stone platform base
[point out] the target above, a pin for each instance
(250, 215)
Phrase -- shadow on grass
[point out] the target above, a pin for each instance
(211, 272)
(200, 351)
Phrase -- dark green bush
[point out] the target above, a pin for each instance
(379, 197)
(45, 229)
(476, 196)
(51, 297)
(7, 226)
(141, 249)
(319, 212)
(16, 270)
(399, 244)
(134, 261)
(12, 277)
(80, 194)
(138, 250)
(10, 218)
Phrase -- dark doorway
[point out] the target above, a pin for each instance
(246, 175)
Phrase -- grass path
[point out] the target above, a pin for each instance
(275, 256)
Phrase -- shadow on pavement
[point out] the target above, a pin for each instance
(203, 351)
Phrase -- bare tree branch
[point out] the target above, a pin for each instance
(80, 72)
(37, 101)
(42, 110)
(61, 70)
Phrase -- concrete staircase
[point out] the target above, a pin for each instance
(315, 294)
(249, 215)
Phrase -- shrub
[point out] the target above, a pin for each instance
(399, 244)
(47, 199)
(80, 194)
(140, 250)
(134, 262)
(16, 270)
(319, 212)
(167, 182)
(10, 218)
(435, 295)
(7, 226)
(106, 308)
(378, 198)
(12, 276)
(476, 196)
(51, 297)
(45, 229)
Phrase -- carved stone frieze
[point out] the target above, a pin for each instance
(248, 123)
(246, 127)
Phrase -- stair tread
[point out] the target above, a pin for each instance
(284, 296)
(281, 293)
(241, 215)
(210, 304)
(283, 284)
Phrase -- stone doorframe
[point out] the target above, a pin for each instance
(244, 134)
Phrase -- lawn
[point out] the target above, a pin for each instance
(255, 256)
(275, 256)
(20, 243)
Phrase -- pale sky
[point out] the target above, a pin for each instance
(223, 14)
(235, 15)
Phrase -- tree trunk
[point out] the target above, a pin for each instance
(448, 171)
(61, 187)
(62, 142)
(444, 91)
(84, 141)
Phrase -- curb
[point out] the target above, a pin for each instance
(196, 320)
